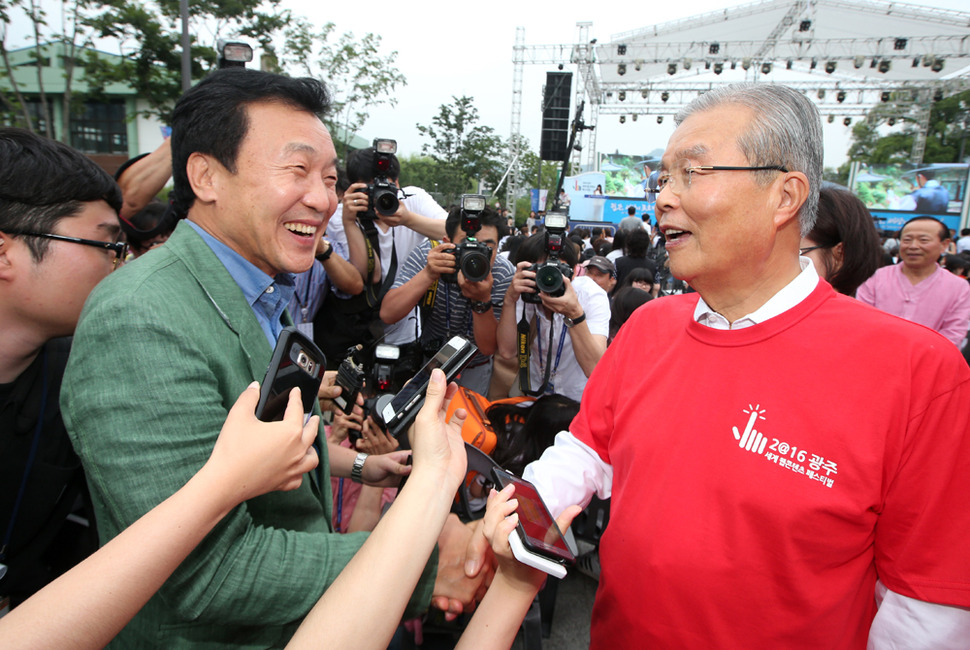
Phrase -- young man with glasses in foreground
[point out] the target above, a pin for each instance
(58, 238)
(777, 479)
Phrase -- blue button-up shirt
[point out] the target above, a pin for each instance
(266, 295)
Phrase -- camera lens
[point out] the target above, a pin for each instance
(474, 265)
(386, 201)
(549, 280)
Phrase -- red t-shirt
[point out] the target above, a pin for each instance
(764, 477)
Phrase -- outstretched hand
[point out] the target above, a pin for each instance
(500, 520)
(255, 457)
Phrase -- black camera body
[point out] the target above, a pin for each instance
(472, 257)
(382, 194)
(551, 273)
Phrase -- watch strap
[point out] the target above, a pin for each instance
(356, 473)
(480, 307)
(573, 322)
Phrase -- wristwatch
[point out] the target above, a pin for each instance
(325, 255)
(356, 473)
(480, 307)
(573, 322)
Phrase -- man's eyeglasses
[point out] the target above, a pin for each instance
(119, 248)
(809, 249)
(681, 176)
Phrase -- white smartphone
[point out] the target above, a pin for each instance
(399, 413)
(536, 540)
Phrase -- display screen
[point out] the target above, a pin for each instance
(535, 522)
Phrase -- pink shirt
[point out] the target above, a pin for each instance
(940, 302)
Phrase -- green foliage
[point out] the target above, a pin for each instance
(358, 75)
(945, 138)
(463, 149)
(421, 171)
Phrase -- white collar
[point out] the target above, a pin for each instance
(792, 294)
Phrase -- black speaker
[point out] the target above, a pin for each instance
(555, 116)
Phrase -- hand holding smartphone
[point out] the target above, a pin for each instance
(536, 540)
(296, 362)
(396, 415)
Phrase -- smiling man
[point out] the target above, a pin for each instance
(164, 349)
(766, 442)
(919, 288)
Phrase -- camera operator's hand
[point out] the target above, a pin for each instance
(374, 440)
(328, 390)
(480, 291)
(440, 261)
(524, 281)
(567, 304)
(343, 424)
(355, 200)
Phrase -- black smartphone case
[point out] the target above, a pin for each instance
(296, 362)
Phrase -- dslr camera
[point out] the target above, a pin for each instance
(550, 274)
(472, 257)
(382, 194)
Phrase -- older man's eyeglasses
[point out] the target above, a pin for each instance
(118, 248)
(681, 175)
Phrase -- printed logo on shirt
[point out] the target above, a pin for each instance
(781, 453)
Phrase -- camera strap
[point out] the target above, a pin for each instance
(374, 298)
(524, 329)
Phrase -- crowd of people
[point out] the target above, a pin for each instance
(750, 419)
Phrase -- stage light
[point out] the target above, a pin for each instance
(707, 65)
(637, 65)
(621, 95)
(718, 68)
(804, 26)
(937, 65)
(813, 63)
(872, 64)
(821, 93)
(671, 68)
(884, 66)
(859, 60)
(891, 121)
(734, 64)
(885, 96)
(687, 63)
(899, 44)
(830, 67)
(938, 95)
(788, 65)
(634, 117)
(714, 48)
(840, 97)
(765, 68)
(915, 61)
(847, 121)
(621, 49)
(746, 62)
(831, 118)
(664, 96)
(660, 119)
(623, 119)
(621, 69)
(644, 93)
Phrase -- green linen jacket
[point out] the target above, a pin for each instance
(164, 347)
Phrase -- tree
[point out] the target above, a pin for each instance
(149, 39)
(359, 77)
(946, 136)
(421, 171)
(463, 149)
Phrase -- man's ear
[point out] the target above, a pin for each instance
(6, 260)
(201, 171)
(793, 193)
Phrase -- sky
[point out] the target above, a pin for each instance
(448, 49)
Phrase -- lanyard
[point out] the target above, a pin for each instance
(340, 504)
(34, 445)
(562, 339)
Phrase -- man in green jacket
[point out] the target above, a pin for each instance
(167, 344)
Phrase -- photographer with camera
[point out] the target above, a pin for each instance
(567, 321)
(463, 280)
(381, 224)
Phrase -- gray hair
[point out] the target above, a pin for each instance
(786, 131)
